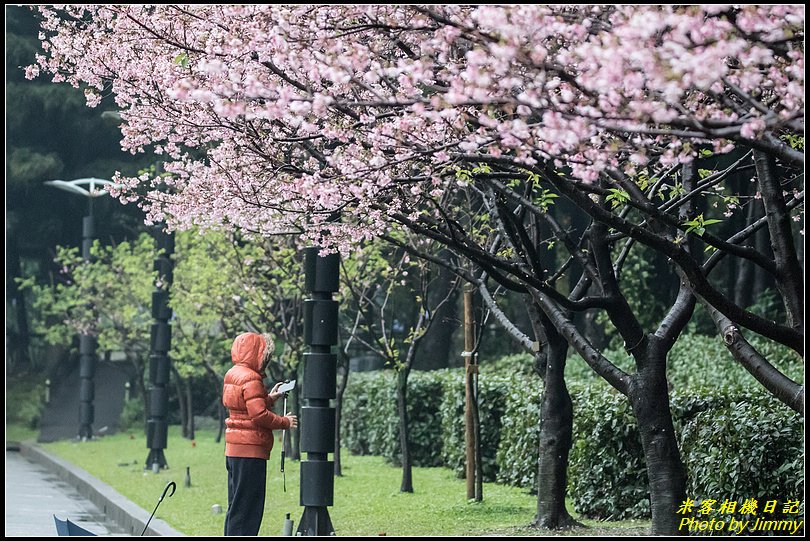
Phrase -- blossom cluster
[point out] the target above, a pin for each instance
(274, 117)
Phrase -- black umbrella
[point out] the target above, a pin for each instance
(66, 527)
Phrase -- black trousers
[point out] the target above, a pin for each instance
(247, 480)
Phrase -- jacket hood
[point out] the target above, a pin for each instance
(248, 349)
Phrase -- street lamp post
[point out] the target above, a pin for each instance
(90, 188)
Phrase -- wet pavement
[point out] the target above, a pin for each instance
(34, 495)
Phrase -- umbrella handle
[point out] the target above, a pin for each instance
(171, 485)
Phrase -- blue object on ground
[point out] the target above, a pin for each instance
(66, 527)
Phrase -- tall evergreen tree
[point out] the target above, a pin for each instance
(51, 134)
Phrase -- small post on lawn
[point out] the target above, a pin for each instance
(471, 422)
(469, 366)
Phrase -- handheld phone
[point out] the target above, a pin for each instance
(286, 387)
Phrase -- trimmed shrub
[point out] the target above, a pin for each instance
(747, 448)
(736, 440)
(25, 400)
(492, 396)
(607, 475)
(425, 397)
(520, 435)
(132, 415)
(734, 444)
(371, 421)
(698, 361)
(508, 365)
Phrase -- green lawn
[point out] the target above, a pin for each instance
(367, 497)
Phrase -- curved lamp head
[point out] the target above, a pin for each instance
(88, 187)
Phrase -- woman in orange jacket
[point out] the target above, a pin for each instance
(249, 431)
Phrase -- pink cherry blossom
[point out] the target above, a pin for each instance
(273, 116)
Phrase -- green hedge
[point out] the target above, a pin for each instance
(698, 361)
(492, 392)
(371, 421)
(736, 440)
(520, 435)
(607, 475)
(735, 443)
(25, 400)
(747, 448)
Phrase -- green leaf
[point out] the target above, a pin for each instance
(617, 197)
(698, 225)
(181, 59)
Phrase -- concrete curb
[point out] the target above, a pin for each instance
(126, 514)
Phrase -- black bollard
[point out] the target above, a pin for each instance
(317, 416)
(157, 427)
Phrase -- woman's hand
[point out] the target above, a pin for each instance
(274, 394)
(293, 420)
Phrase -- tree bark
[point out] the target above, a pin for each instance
(439, 338)
(649, 398)
(779, 385)
(181, 401)
(140, 387)
(479, 462)
(405, 449)
(190, 409)
(556, 435)
(18, 349)
(789, 272)
(339, 413)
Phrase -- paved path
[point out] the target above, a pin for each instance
(34, 495)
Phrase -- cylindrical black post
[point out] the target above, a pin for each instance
(87, 346)
(157, 427)
(317, 416)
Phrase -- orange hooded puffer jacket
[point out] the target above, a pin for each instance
(248, 432)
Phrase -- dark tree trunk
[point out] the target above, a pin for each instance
(18, 349)
(789, 272)
(476, 418)
(344, 379)
(217, 380)
(439, 337)
(556, 423)
(221, 431)
(649, 398)
(556, 428)
(762, 279)
(743, 282)
(140, 387)
(190, 410)
(743, 287)
(181, 401)
(405, 449)
(594, 331)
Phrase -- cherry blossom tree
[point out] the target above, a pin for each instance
(273, 118)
